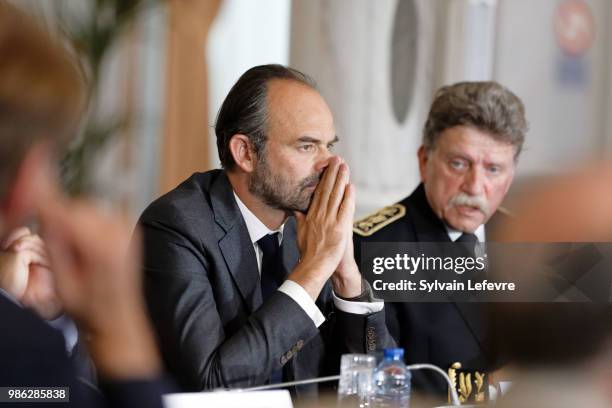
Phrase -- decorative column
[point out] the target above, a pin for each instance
(184, 149)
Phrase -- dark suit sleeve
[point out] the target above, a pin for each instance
(32, 354)
(184, 300)
(364, 333)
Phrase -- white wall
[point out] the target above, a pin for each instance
(351, 48)
(567, 120)
(245, 33)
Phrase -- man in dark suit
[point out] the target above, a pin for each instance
(249, 270)
(471, 142)
(95, 277)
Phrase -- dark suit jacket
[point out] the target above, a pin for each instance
(32, 354)
(435, 333)
(203, 292)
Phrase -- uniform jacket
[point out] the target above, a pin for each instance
(435, 333)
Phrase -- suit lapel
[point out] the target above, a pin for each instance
(235, 243)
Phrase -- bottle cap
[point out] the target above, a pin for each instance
(394, 353)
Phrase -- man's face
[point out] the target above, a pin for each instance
(300, 135)
(466, 176)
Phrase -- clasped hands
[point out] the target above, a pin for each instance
(25, 273)
(325, 235)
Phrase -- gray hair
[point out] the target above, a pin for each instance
(486, 106)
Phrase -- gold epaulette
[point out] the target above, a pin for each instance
(374, 222)
(471, 386)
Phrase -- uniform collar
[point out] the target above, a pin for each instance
(454, 234)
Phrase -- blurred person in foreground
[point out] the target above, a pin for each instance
(472, 140)
(94, 275)
(249, 270)
(560, 354)
(26, 277)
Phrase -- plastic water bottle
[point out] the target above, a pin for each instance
(392, 381)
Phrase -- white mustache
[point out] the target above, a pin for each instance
(471, 201)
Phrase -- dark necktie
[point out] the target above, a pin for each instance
(272, 273)
(468, 243)
(470, 246)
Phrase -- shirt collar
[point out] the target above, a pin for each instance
(256, 228)
(454, 234)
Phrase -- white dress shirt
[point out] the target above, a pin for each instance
(479, 249)
(454, 234)
(258, 230)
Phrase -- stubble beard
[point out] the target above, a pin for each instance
(278, 192)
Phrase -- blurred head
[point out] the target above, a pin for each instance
(559, 334)
(276, 128)
(471, 142)
(41, 98)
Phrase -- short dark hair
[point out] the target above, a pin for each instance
(244, 110)
(486, 106)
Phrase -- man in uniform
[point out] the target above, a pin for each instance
(471, 142)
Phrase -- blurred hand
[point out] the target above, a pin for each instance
(95, 271)
(98, 281)
(25, 274)
(323, 232)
